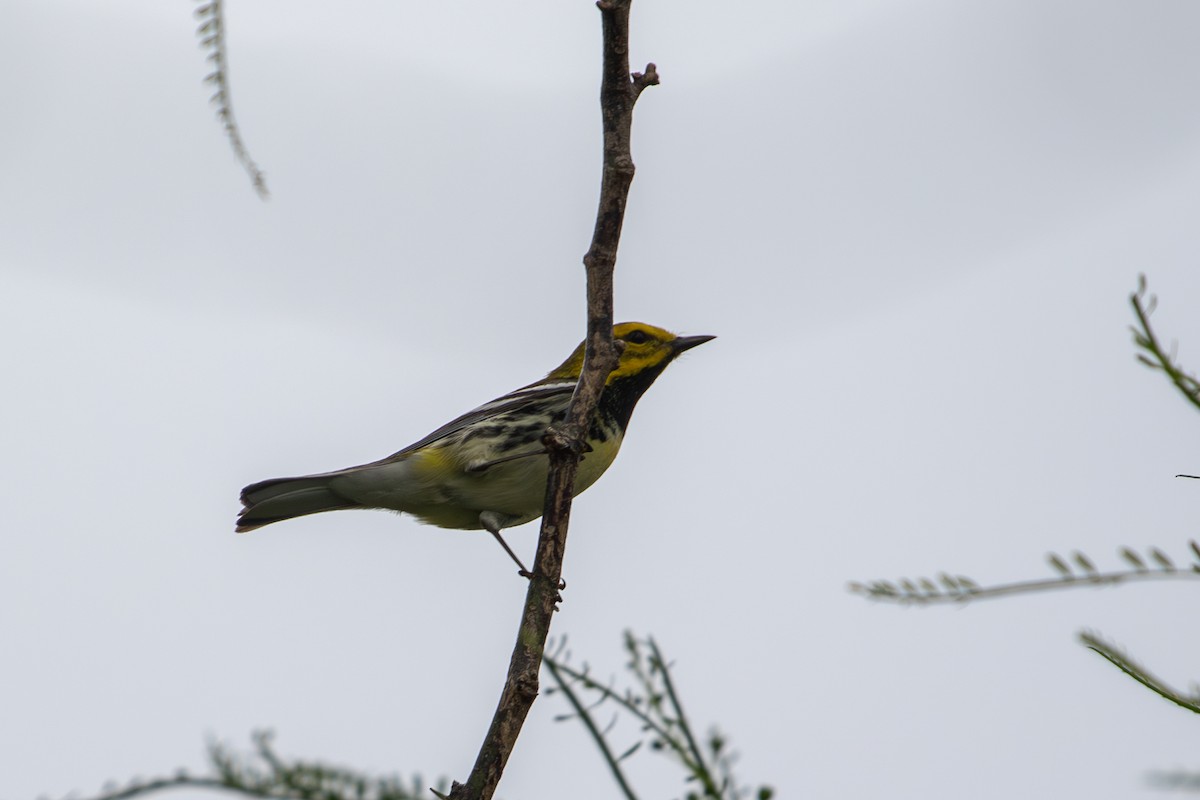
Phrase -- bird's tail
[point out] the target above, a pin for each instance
(283, 498)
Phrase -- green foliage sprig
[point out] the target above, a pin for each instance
(1078, 569)
(654, 703)
(263, 773)
(1074, 572)
(1154, 356)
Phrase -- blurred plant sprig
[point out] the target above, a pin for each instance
(651, 700)
(1153, 355)
(1074, 572)
(262, 772)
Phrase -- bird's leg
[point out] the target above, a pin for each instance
(492, 523)
(524, 573)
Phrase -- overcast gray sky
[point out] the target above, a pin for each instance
(913, 225)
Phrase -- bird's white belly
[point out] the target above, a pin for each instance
(441, 490)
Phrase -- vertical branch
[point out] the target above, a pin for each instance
(564, 442)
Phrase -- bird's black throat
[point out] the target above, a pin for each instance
(621, 395)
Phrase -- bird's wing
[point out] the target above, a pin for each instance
(554, 397)
(536, 394)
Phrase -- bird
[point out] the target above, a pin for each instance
(486, 469)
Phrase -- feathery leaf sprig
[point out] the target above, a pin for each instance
(1076, 571)
(264, 774)
(1154, 356)
(211, 30)
(655, 704)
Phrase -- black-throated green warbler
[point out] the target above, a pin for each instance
(487, 469)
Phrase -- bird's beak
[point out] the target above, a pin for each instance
(682, 343)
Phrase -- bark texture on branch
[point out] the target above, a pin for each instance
(618, 92)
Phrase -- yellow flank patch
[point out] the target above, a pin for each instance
(433, 463)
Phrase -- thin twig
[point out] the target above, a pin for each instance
(1123, 662)
(565, 441)
(597, 736)
(703, 773)
(648, 723)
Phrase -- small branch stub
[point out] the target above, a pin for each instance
(643, 79)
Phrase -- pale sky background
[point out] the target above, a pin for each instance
(913, 225)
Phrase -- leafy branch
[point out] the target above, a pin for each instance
(1155, 356)
(654, 703)
(262, 773)
(1074, 572)
(211, 30)
(1079, 570)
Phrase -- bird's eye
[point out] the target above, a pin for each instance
(637, 337)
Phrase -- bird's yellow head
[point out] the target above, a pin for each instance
(647, 351)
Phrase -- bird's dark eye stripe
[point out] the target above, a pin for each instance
(637, 337)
